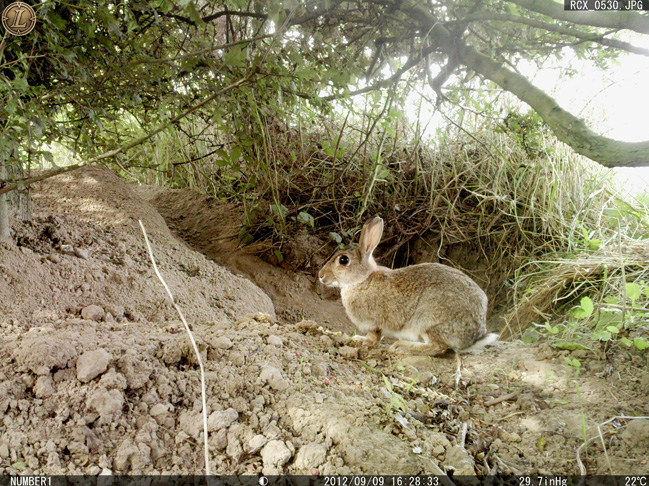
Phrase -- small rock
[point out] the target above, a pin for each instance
(326, 341)
(81, 253)
(273, 376)
(92, 313)
(274, 455)
(256, 443)
(54, 258)
(348, 352)
(106, 403)
(126, 455)
(117, 311)
(191, 423)
(112, 379)
(222, 342)
(319, 369)
(44, 387)
(67, 250)
(92, 364)
(221, 419)
(233, 449)
(458, 458)
(4, 450)
(275, 341)
(159, 409)
(310, 455)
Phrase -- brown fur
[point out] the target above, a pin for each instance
(429, 307)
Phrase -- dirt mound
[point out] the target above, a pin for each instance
(212, 227)
(97, 375)
(85, 247)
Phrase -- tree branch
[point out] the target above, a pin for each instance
(599, 38)
(614, 20)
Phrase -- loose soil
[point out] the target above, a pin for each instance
(97, 374)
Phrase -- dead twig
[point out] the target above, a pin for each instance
(193, 341)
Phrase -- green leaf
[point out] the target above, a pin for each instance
(280, 210)
(584, 310)
(305, 218)
(236, 56)
(612, 329)
(530, 336)
(20, 83)
(587, 306)
(568, 345)
(640, 343)
(626, 341)
(388, 385)
(633, 291)
(572, 361)
(245, 237)
(602, 335)
(335, 237)
(235, 153)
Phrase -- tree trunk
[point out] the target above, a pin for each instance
(5, 234)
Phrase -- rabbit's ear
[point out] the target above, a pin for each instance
(370, 236)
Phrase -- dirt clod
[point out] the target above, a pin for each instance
(92, 364)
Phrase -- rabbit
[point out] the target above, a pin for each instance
(428, 307)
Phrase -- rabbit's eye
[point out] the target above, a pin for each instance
(343, 260)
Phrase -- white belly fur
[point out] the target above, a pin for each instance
(405, 335)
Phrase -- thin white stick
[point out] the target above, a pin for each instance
(198, 354)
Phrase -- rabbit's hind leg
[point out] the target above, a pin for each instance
(370, 338)
(432, 347)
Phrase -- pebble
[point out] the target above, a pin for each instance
(458, 458)
(348, 352)
(326, 341)
(106, 403)
(67, 249)
(310, 455)
(273, 376)
(159, 409)
(221, 419)
(92, 364)
(256, 443)
(4, 450)
(44, 387)
(275, 341)
(116, 310)
(92, 313)
(81, 253)
(222, 343)
(274, 455)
